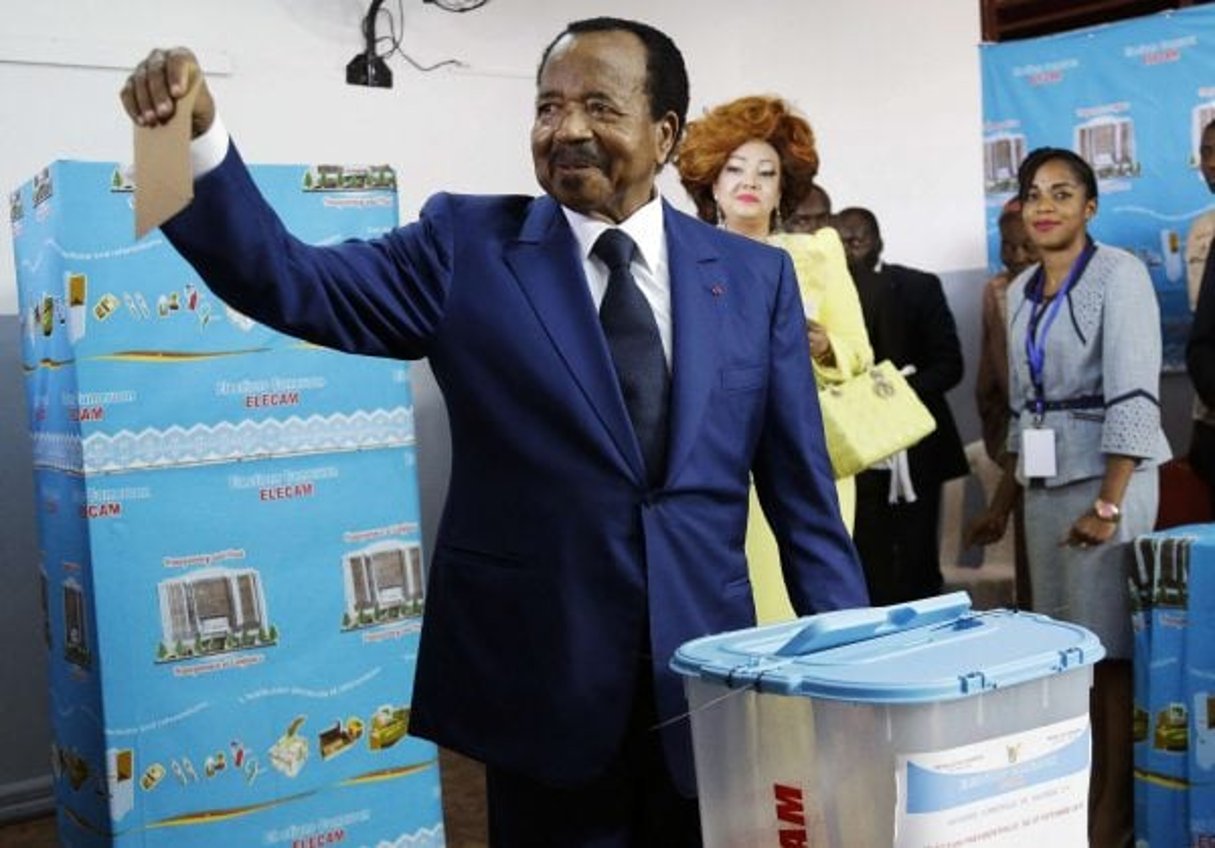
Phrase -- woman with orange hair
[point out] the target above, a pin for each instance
(746, 164)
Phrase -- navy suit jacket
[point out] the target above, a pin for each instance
(555, 563)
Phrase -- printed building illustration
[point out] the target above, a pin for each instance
(383, 582)
(75, 625)
(1002, 155)
(1200, 116)
(213, 610)
(1107, 143)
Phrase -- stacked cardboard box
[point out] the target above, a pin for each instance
(231, 563)
(1172, 585)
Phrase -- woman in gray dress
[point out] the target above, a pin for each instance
(1084, 441)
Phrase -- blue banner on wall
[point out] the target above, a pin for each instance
(1132, 99)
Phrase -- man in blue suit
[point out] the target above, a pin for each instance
(576, 551)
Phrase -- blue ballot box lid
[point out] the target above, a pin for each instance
(936, 649)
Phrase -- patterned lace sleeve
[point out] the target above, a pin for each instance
(1130, 357)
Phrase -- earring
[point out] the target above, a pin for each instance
(721, 220)
(778, 225)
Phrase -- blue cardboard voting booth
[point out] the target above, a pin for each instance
(1174, 714)
(231, 565)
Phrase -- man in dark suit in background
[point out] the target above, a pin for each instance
(1200, 348)
(600, 462)
(812, 214)
(897, 530)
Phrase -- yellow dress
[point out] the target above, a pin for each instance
(830, 299)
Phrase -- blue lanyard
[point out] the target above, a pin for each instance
(1041, 319)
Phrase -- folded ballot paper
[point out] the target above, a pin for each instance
(163, 181)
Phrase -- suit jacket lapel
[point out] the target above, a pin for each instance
(546, 265)
(698, 286)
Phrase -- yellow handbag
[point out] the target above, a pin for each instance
(872, 416)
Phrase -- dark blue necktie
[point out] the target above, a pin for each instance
(632, 337)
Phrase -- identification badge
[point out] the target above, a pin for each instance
(1038, 452)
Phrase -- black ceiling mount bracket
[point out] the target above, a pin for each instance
(368, 68)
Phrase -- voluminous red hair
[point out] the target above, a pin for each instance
(711, 139)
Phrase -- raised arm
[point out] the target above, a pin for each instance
(382, 297)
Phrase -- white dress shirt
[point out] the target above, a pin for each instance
(209, 149)
(649, 266)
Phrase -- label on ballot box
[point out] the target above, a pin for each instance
(1003, 791)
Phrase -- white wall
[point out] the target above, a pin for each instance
(898, 118)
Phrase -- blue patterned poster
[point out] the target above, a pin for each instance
(1132, 99)
(231, 569)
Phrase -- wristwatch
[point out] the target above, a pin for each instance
(1107, 511)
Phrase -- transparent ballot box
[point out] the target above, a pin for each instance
(921, 724)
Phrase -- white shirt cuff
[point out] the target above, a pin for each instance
(209, 149)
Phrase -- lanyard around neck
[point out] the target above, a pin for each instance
(1041, 318)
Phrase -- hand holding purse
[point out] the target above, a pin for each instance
(870, 417)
